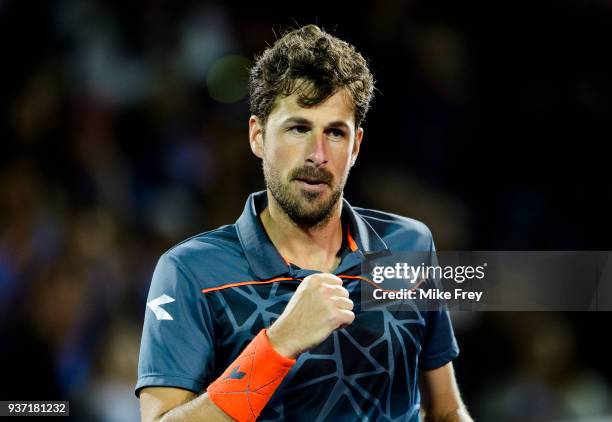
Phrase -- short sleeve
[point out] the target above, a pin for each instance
(177, 348)
(439, 345)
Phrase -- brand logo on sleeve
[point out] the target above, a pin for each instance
(235, 374)
(155, 306)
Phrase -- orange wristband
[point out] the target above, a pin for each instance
(244, 389)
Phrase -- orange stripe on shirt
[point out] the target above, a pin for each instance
(243, 283)
(274, 280)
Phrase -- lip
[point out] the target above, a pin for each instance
(318, 186)
(310, 181)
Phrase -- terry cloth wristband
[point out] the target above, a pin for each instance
(243, 390)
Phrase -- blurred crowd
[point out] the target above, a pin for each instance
(124, 131)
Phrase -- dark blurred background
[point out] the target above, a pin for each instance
(124, 130)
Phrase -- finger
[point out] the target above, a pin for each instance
(322, 278)
(335, 290)
(343, 303)
(347, 317)
(332, 279)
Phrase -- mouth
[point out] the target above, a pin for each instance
(311, 185)
(311, 181)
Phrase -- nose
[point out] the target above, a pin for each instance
(317, 154)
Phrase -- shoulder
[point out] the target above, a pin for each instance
(397, 231)
(207, 257)
(221, 241)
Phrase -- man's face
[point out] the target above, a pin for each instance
(307, 154)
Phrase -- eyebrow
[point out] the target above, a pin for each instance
(303, 121)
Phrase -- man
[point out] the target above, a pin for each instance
(264, 316)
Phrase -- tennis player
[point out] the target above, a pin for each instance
(261, 319)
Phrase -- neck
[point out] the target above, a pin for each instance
(313, 248)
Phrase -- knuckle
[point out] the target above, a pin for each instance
(330, 290)
(343, 316)
(325, 288)
(341, 291)
(312, 280)
(351, 304)
(332, 279)
(308, 279)
(318, 278)
(351, 316)
(344, 303)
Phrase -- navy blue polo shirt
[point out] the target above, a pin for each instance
(212, 293)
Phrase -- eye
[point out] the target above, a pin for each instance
(336, 133)
(299, 129)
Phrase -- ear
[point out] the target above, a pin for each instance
(256, 136)
(356, 145)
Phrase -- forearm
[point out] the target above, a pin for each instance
(200, 409)
(242, 391)
(458, 415)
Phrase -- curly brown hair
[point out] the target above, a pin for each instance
(314, 64)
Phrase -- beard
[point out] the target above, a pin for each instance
(306, 208)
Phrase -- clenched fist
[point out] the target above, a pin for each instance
(319, 306)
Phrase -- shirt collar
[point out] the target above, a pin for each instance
(263, 257)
